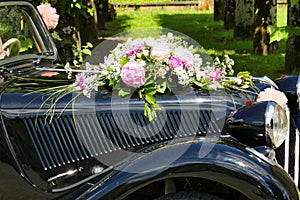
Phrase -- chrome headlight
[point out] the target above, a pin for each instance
(277, 124)
(260, 124)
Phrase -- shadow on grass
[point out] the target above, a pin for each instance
(115, 26)
(218, 41)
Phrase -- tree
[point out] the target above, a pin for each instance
(292, 56)
(79, 23)
(244, 18)
(265, 14)
(219, 9)
(229, 14)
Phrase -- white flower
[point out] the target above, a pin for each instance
(159, 53)
(146, 52)
(238, 80)
(183, 78)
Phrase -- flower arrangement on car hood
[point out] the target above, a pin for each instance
(152, 66)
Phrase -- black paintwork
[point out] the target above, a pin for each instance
(288, 86)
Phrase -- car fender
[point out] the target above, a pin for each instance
(291, 88)
(234, 167)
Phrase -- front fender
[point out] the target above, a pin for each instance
(288, 85)
(232, 166)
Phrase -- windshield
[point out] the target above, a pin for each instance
(22, 33)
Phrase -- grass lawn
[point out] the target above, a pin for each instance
(200, 26)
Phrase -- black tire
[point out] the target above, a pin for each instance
(188, 196)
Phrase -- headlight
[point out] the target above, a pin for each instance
(260, 124)
(277, 125)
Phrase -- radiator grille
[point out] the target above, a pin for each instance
(287, 155)
(71, 139)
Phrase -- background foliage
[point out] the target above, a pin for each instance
(78, 31)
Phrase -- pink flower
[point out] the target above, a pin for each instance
(137, 49)
(80, 81)
(283, 76)
(133, 74)
(217, 76)
(175, 62)
(49, 15)
(270, 94)
(49, 74)
(186, 56)
(3, 53)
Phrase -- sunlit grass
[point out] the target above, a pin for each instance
(210, 34)
(138, 1)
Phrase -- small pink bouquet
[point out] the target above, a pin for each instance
(3, 53)
(49, 15)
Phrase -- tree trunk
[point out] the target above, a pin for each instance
(265, 14)
(219, 9)
(294, 14)
(292, 56)
(103, 15)
(229, 15)
(244, 18)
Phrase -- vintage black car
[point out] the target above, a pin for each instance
(200, 146)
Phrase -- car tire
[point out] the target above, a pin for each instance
(189, 196)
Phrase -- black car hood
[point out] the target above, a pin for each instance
(87, 137)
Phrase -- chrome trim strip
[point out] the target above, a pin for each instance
(265, 80)
(287, 143)
(298, 91)
(296, 169)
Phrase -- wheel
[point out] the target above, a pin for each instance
(188, 196)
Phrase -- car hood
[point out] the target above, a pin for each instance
(58, 150)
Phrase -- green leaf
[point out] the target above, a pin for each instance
(86, 51)
(277, 33)
(140, 92)
(293, 30)
(113, 82)
(149, 112)
(161, 88)
(88, 45)
(149, 83)
(55, 36)
(150, 91)
(123, 93)
(124, 60)
(199, 84)
(150, 99)
(245, 86)
(271, 29)
(91, 11)
(77, 5)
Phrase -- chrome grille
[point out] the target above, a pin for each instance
(71, 139)
(287, 155)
